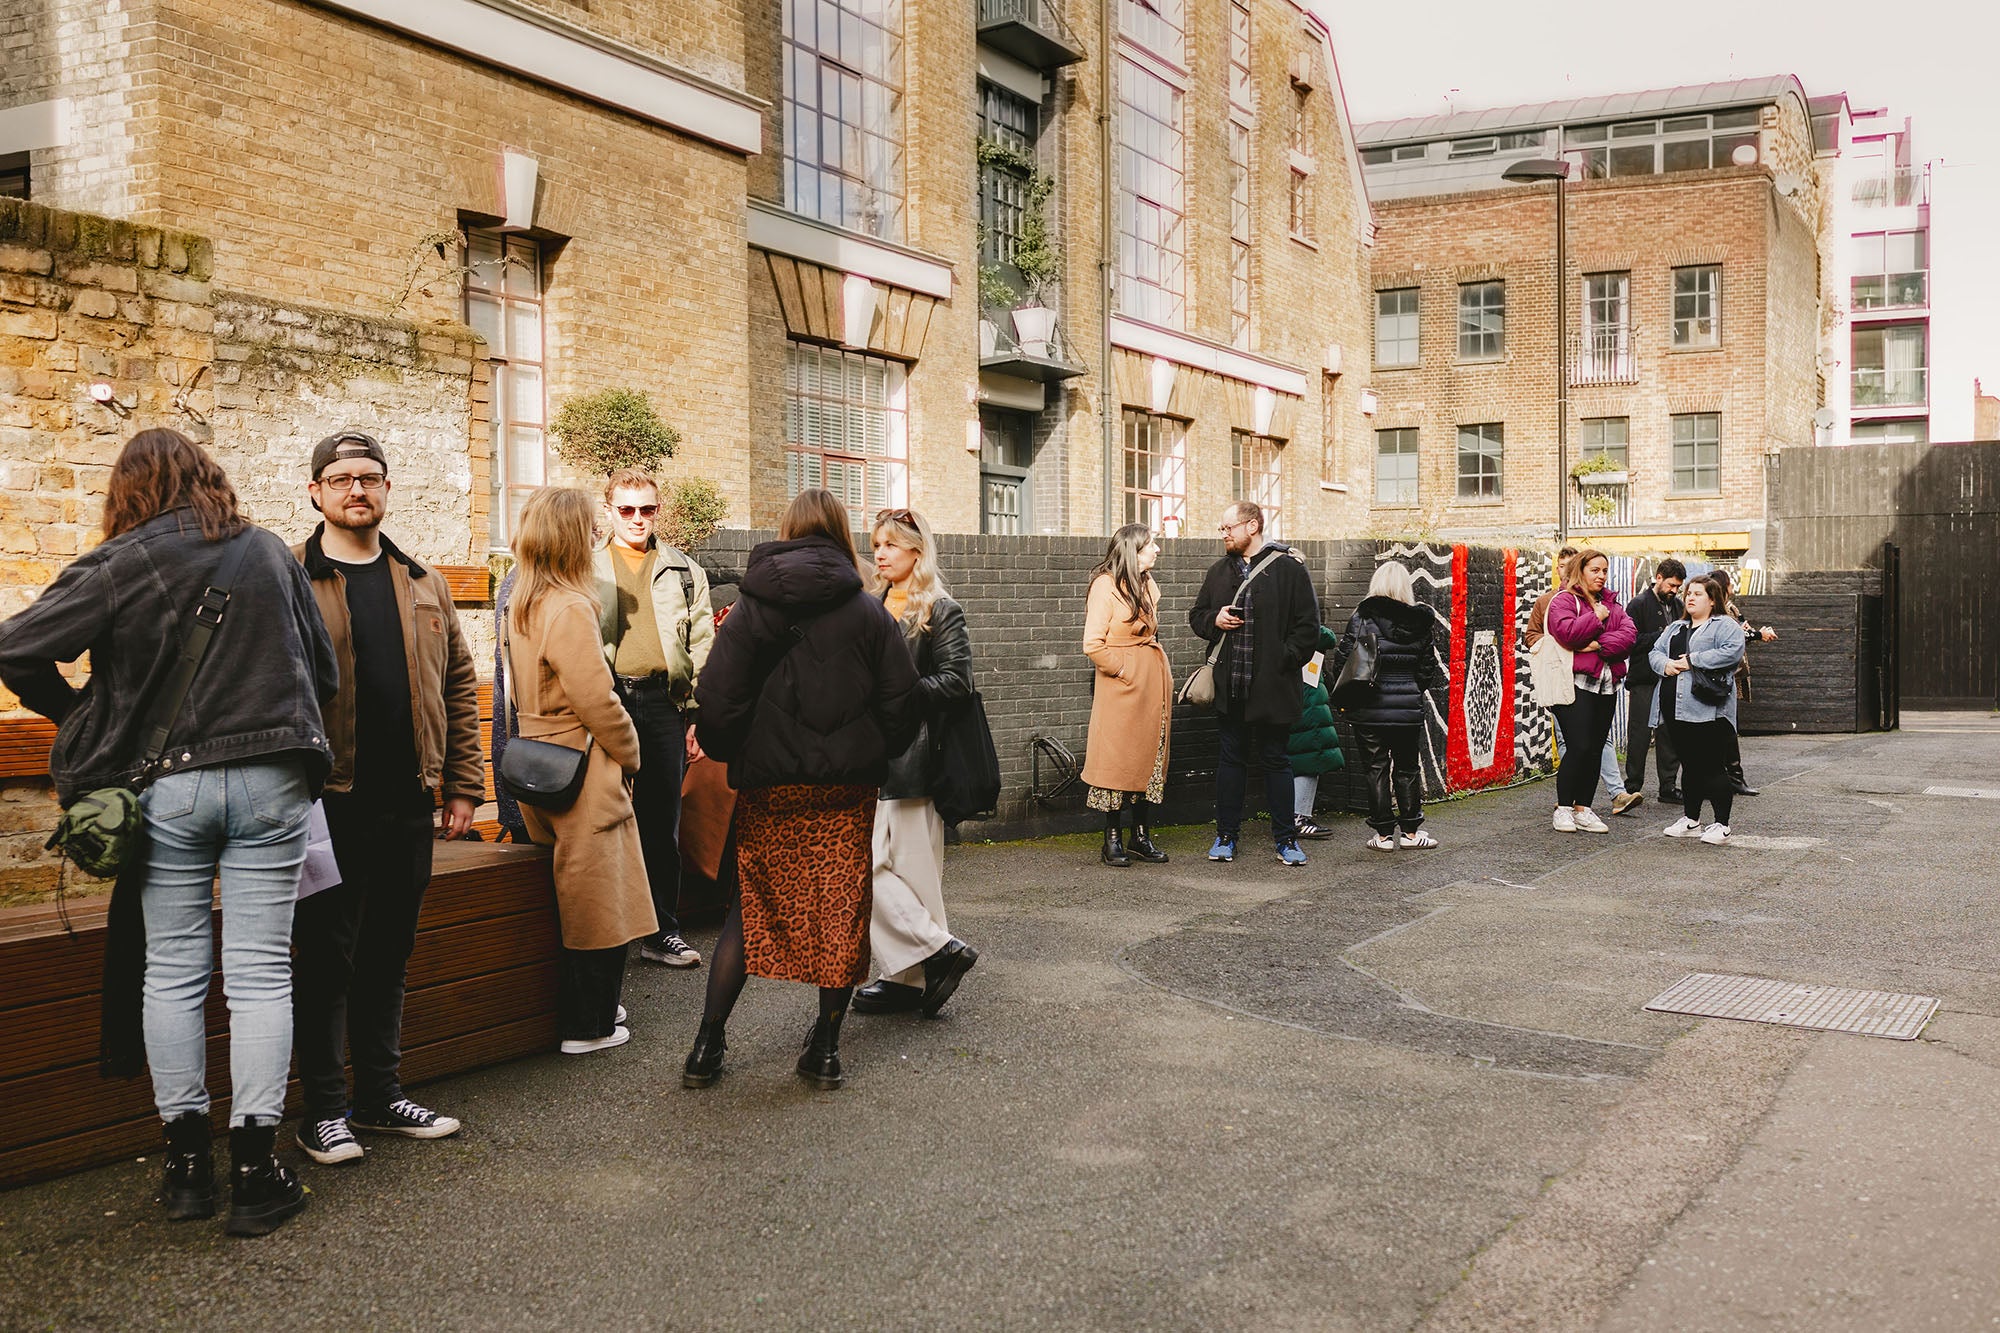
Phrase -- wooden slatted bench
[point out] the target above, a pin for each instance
(481, 991)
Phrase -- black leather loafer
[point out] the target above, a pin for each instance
(888, 997)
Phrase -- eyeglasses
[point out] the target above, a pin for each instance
(643, 511)
(368, 481)
(1226, 528)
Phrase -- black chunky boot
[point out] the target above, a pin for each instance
(263, 1192)
(1114, 843)
(704, 1062)
(1141, 847)
(819, 1065)
(189, 1188)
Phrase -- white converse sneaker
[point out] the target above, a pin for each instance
(1715, 834)
(1588, 822)
(1684, 828)
(1565, 820)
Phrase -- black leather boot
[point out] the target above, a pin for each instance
(1141, 847)
(819, 1065)
(1114, 853)
(263, 1192)
(704, 1062)
(189, 1188)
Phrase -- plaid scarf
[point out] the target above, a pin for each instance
(1246, 606)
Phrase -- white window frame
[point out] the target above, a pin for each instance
(1697, 439)
(1152, 197)
(868, 196)
(1410, 334)
(1256, 473)
(1688, 306)
(503, 297)
(812, 415)
(1489, 444)
(1154, 494)
(1399, 487)
(1484, 313)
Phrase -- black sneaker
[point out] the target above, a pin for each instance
(670, 949)
(1307, 829)
(329, 1142)
(405, 1117)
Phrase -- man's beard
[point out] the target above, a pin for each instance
(351, 520)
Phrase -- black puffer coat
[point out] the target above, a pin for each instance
(1406, 664)
(809, 680)
(944, 682)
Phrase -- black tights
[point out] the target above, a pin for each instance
(1138, 805)
(727, 971)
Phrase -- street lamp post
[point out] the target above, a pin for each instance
(1535, 170)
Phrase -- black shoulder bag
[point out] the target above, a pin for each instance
(1357, 680)
(540, 773)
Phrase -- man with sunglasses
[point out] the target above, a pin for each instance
(404, 728)
(657, 625)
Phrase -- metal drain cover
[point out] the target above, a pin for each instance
(1872, 1013)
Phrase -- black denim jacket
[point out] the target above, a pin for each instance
(126, 603)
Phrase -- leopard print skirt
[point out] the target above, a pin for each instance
(805, 867)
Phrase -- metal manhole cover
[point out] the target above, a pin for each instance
(1872, 1013)
(1974, 793)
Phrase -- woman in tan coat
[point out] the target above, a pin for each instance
(1125, 760)
(563, 692)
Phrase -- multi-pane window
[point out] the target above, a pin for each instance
(1891, 269)
(1697, 441)
(846, 426)
(1609, 436)
(1006, 451)
(1239, 234)
(1155, 483)
(1300, 203)
(1479, 457)
(1152, 200)
(1006, 121)
(1242, 96)
(1488, 145)
(1698, 306)
(1606, 353)
(1482, 321)
(1253, 476)
(843, 90)
(1891, 366)
(1908, 430)
(1678, 143)
(1396, 327)
(503, 304)
(1409, 152)
(1158, 25)
(1396, 466)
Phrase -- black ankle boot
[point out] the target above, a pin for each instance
(262, 1191)
(819, 1065)
(704, 1062)
(1114, 844)
(189, 1188)
(1141, 847)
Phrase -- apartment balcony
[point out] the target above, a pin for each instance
(1601, 500)
(1896, 189)
(1602, 354)
(1889, 291)
(1891, 388)
(1031, 31)
(1004, 351)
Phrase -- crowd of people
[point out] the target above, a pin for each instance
(261, 701)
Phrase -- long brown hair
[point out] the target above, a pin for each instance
(1121, 565)
(160, 470)
(552, 548)
(1573, 578)
(818, 513)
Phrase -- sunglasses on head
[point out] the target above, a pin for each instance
(904, 516)
(643, 511)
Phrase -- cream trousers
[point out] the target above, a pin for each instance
(908, 923)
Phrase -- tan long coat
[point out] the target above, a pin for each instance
(1135, 685)
(564, 692)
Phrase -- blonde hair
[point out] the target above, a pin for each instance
(630, 479)
(552, 551)
(1392, 580)
(911, 531)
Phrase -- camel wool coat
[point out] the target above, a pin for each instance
(1134, 694)
(562, 691)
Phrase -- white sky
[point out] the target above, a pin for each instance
(1931, 60)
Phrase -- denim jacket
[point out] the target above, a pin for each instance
(1718, 643)
(126, 603)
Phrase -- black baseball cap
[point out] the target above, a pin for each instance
(347, 444)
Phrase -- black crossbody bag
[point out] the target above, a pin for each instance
(543, 774)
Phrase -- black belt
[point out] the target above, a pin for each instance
(659, 680)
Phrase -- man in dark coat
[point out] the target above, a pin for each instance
(1259, 601)
(1656, 607)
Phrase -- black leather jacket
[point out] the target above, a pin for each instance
(258, 691)
(944, 681)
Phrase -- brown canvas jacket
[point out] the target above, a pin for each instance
(444, 685)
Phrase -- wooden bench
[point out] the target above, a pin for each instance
(481, 991)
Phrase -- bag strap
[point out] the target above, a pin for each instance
(208, 612)
(1215, 651)
(683, 565)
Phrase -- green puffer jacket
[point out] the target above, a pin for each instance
(1315, 745)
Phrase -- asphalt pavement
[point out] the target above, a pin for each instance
(1382, 1092)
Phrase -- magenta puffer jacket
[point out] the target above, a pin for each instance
(1574, 624)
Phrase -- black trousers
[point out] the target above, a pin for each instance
(1707, 748)
(1586, 725)
(1395, 776)
(1270, 746)
(656, 795)
(351, 951)
(1638, 735)
(588, 984)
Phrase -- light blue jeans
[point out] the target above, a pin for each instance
(1609, 770)
(247, 821)
(1305, 791)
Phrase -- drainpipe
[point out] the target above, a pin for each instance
(1108, 249)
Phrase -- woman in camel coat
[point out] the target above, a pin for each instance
(1125, 759)
(562, 691)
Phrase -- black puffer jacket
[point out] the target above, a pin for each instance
(944, 682)
(1406, 664)
(809, 680)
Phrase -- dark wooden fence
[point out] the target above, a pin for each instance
(1824, 671)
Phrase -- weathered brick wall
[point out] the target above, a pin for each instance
(92, 55)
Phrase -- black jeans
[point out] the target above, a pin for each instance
(1392, 755)
(656, 794)
(1707, 748)
(1586, 724)
(1270, 746)
(1638, 735)
(351, 951)
(588, 984)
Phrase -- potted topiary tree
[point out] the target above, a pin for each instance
(601, 432)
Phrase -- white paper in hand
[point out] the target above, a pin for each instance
(321, 870)
(1312, 669)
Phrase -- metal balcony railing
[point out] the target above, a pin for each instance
(1880, 291)
(1032, 31)
(1602, 354)
(1896, 189)
(1600, 504)
(1891, 388)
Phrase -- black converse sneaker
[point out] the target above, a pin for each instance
(405, 1117)
(670, 949)
(328, 1141)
